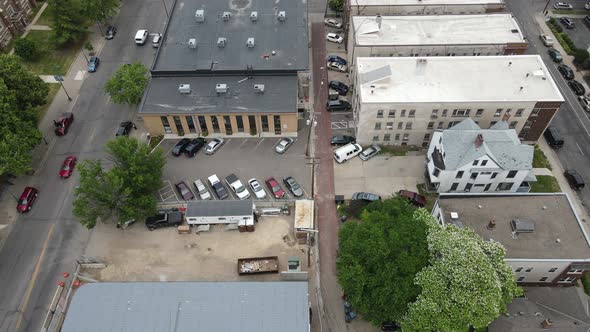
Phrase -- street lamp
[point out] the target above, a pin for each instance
(60, 79)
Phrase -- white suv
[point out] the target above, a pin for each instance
(141, 37)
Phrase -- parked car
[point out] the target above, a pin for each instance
(390, 326)
(141, 37)
(184, 191)
(369, 152)
(194, 146)
(93, 64)
(585, 103)
(567, 22)
(547, 41)
(236, 185)
(124, 128)
(218, 187)
(574, 179)
(156, 40)
(67, 168)
(586, 20)
(274, 187)
(566, 72)
(562, 5)
(555, 55)
(202, 189)
(577, 87)
(334, 38)
(414, 198)
(178, 149)
(587, 6)
(342, 140)
(283, 145)
(164, 218)
(336, 58)
(337, 67)
(293, 186)
(337, 105)
(257, 188)
(110, 33)
(364, 196)
(338, 86)
(553, 137)
(63, 123)
(26, 200)
(214, 145)
(332, 23)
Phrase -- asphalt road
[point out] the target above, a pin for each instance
(50, 231)
(572, 120)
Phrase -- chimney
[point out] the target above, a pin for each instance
(378, 19)
(478, 140)
(491, 224)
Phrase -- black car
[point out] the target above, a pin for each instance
(363, 196)
(342, 140)
(337, 105)
(574, 179)
(566, 72)
(335, 58)
(194, 146)
(555, 55)
(339, 86)
(124, 128)
(567, 22)
(178, 149)
(110, 33)
(577, 87)
(164, 218)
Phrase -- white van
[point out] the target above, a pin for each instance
(141, 37)
(346, 152)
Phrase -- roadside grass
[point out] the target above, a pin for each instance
(430, 197)
(51, 61)
(545, 184)
(586, 283)
(53, 89)
(397, 151)
(540, 160)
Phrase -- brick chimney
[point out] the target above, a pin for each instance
(478, 140)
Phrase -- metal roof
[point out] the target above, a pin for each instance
(189, 306)
(219, 208)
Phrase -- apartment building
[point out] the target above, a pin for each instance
(402, 100)
(424, 7)
(14, 17)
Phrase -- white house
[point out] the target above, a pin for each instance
(424, 7)
(466, 158)
(402, 100)
(545, 241)
(220, 212)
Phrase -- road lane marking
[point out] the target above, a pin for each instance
(579, 148)
(25, 302)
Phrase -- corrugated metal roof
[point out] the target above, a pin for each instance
(189, 306)
(219, 208)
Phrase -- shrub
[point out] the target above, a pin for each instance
(253, 131)
(569, 42)
(336, 5)
(581, 55)
(204, 133)
(25, 48)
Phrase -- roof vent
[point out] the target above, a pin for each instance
(250, 42)
(520, 225)
(478, 140)
(454, 215)
(282, 16)
(184, 88)
(221, 88)
(259, 88)
(192, 43)
(200, 15)
(514, 30)
(221, 41)
(254, 16)
(226, 16)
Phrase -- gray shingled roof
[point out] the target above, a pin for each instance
(219, 208)
(189, 306)
(500, 144)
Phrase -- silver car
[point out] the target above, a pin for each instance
(257, 188)
(369, 152)
(283, 145)
(202, 189)
(214, 145)
(293, 186)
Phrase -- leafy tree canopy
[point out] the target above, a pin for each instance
(68, 20)
(336, 5)
(99, 10)
(128, 84)
(29, 90)
(25, 48)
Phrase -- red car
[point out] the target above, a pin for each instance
(63, 123)
(68, 167)
(414, 198)
(184, 191)
(26, 200)
(273, 185)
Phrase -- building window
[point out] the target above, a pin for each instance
(484, 162)
(408, 125)
(387, 137)
(427, 137)
(518, 269)
(178, 125)
(403, 113)
(511, 174)
(498, 112)
(474, 176)
(397, 137)
(400, 125)
(487, 187)
(380, 113)
(494, 175)
(277, 123)
(215, 124)
(528, 269)
(252, 123)
(543, 278)
(412, 114)
(240, 123)
(454, 186)
(505, 186)
(553, 269)
(377, 125)
(440, 125)
(436, 172)
(572, 270)
(166, 125)
(520, 279)
(430, 125)
(389, 125)
(191, 124)
(475, 162)
(444, 112)
(227, 124)
(434, 113)
(459, 175)
(493, 123)
(375, 138)
(461, 112)
(535, 112)
(513, 124)
(519, 112)
(391, 114)
(479, 112)
(406, 137)
(264, 121)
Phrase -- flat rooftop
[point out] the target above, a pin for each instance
(215, 208)
(189, 306)
(424, 2)
(518, 78)
(424, 30)
(558, 233)
(287, 39)
(163, 96)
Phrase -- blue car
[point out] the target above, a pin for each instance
(93, 64)
(335, 58)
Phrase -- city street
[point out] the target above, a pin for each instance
(46, 241)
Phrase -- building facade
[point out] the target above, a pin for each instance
(432, 7)
(545, 241)
(466, 158)
(14, 18)
(402, 100)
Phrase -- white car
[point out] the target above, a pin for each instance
(334, 38)
(333, 65)
(369, 152)
(562, 5)
(283, 145)
(202, 190)
(257, 188)
(587, 6)
(585, 103)
(547, 41)
(156, 40)
(333, 23)
(141, 37)
(214, 145)
(236, 185)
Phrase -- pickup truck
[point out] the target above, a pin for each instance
(164, 218)
(256, 265)
(220, 190)
(236, 185)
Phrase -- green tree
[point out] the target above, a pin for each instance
(379, 258)
(100, 10)
(581, 55)
(29, 90)
(466, 284)
(68, 20)
(127, 84)
(123, 192)
(336, 5)
(25, 48)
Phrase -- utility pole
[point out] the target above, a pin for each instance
(60, 79)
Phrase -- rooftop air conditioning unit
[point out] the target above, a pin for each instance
(250, 42)
(259, 88)
(192, 43)
(221, 88)
(226, 16)
(221, 41)
(520, 225)
(254, 16)
(282, 16)
(200, 15)
(184, 88)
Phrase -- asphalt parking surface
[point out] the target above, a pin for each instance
(245, 157)
(342, 122)
(580, 34)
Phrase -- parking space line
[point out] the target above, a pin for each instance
(262, 140)
(244, 142)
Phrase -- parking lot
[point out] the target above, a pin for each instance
(246, 158)
(580, 34)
